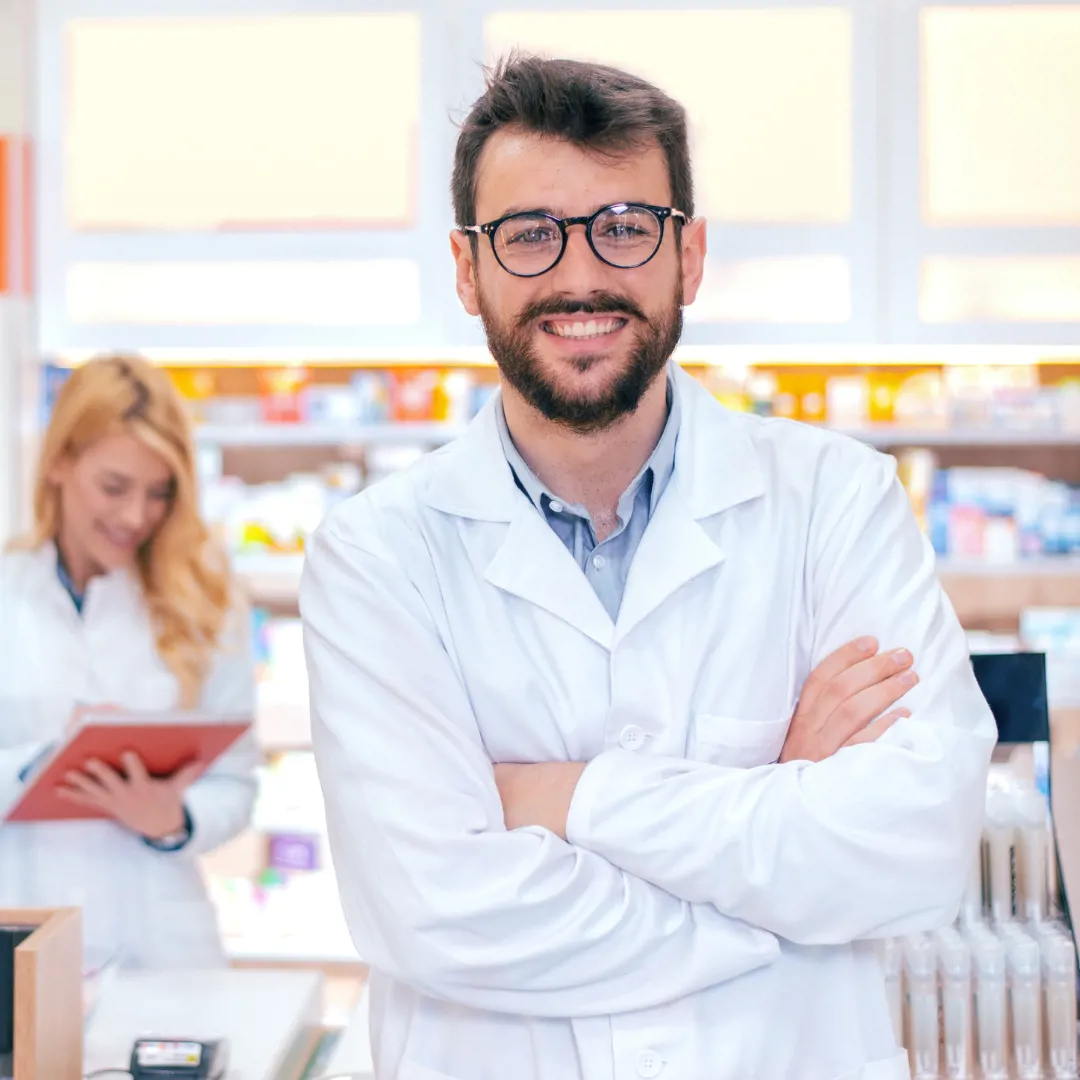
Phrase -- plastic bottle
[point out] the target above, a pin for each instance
(999, 835)
(1025, 1000)
(923, 1042)
(1059, 1001)
(957, 1021)
(1032, 854)
(991, 1001)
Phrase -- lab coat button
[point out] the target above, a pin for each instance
(632, 737)
(648, 1063)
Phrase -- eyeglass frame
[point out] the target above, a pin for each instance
(490, 228)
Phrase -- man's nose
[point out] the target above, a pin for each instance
(579, 272)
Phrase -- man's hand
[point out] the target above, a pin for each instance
(148, 806)
(538, 794)
(844, 701)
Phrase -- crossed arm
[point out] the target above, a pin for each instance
(678, 874)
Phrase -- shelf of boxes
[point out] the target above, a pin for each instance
(883, 436)
(300, 434)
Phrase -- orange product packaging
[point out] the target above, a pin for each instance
(281, 390)
(414, 395)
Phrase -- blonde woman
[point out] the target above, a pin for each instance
(119, 599)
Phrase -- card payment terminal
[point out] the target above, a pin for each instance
(179, 1059)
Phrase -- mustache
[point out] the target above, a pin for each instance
(601, 303)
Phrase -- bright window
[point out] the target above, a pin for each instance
(255, 122)
(1005, 288)
(1001, 115)
(373, 292)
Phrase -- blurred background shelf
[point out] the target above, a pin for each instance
(285, 434)
(886, 436)
(883, 435)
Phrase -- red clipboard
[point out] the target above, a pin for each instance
(164, 741)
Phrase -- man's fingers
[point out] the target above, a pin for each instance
(875, 702)
(873, 732)
(847, 656)
(869, 673)
(859, 710)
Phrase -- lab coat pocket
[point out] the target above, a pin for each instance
(730, 740)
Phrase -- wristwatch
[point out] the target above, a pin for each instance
(173, 841)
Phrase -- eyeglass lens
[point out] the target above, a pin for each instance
(531, 243)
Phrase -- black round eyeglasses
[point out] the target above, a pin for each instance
(624, 235)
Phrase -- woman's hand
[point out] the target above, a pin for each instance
(148, 806)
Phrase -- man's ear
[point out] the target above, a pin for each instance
(461, 247)
(693, 258)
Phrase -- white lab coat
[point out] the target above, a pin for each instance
(711, 916)
(153, 905)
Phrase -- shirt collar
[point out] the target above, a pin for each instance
(660, 465)
(69, 585)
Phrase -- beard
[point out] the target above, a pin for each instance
(511, 346)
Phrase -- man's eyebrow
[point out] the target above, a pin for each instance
(521, 209)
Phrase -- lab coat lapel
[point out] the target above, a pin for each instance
(470, 478)
(674, 550)
(534, 564)
(716, 468)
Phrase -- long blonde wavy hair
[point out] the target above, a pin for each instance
(185, 577)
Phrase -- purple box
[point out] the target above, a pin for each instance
(289, 852)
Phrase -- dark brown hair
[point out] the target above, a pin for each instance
(601, 109)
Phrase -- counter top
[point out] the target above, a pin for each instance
(352, 1054)
(271, 1018)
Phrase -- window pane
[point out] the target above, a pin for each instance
(1001, 115)
(1000, 289)
(291, 121)
(375, 292)
(768, 93)
(816, 289)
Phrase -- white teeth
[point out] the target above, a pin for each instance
(592, 328)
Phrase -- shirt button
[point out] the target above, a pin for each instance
(632, 737)
(556, 507)
(648, 1063)
(599, 562)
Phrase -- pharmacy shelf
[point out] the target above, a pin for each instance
(1041, 567)
(884, 436)
(324, 434)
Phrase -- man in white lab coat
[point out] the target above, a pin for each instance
(606, 695)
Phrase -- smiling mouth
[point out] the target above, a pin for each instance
(583, 330)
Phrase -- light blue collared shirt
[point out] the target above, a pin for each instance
(606, 564)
